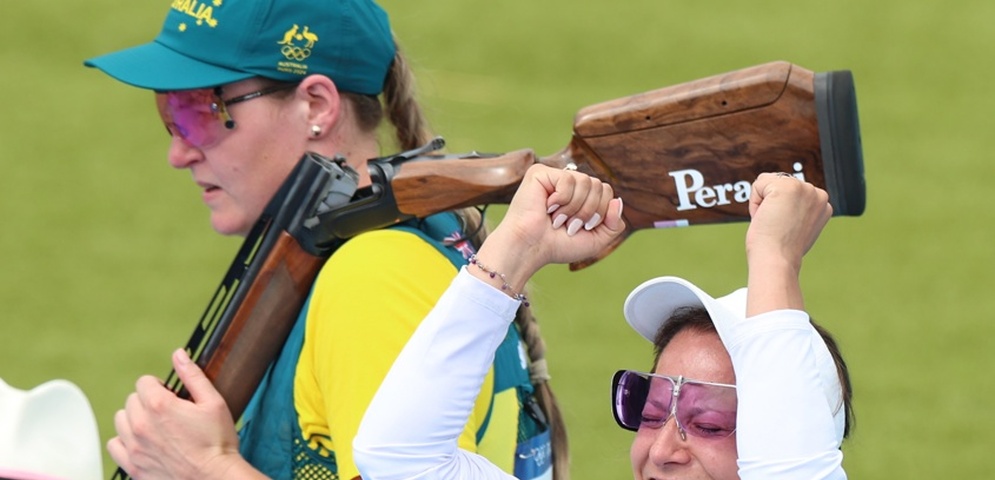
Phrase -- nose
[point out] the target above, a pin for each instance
(669, 445)
(182, 154)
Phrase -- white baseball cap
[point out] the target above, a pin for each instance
(653, 302)
(48, 433)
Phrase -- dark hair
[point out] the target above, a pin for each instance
(697, 319)
(844, 374)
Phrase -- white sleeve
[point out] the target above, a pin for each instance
(412, 426)
(785, 426)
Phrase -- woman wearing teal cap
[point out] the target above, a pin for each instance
(244, 88)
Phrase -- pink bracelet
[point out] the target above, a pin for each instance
(504, 281)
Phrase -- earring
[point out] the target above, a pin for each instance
(315, 130)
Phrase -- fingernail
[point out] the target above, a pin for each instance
(593, 222)
(575, 225)
(552, 208)
(559, 220)
(620, 206)
(181, 356)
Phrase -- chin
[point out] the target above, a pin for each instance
(229, 226)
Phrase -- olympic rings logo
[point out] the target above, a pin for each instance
(295, 53)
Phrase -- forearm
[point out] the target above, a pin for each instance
(412, 425)
(773, 283)
(786, 218)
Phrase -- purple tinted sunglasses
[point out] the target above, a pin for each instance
(647, 400)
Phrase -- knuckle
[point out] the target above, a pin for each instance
(156, 404)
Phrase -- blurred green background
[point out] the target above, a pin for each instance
(108, 260)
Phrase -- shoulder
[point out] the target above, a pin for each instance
(379, 284)
(385, 256)
(385, 276)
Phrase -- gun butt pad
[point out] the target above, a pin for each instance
(839, 138)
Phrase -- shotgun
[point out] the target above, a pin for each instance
(678, 156)
(683, 155)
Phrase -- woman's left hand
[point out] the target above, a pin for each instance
(787, 216)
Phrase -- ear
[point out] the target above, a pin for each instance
(323, 102)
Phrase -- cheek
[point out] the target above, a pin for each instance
(261, 171)
(719, 459)
(639, 451)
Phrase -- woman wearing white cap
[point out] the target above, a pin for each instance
(751, 392)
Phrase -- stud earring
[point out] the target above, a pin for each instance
(315, 130)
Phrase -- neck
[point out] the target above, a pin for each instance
(357, 148)
(358, 156)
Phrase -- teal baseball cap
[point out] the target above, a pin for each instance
(214, 42)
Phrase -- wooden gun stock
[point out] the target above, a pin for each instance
(422, 188)
(686, 154)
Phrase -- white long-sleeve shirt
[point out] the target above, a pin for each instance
(785, 427)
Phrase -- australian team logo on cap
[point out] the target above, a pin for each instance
(201, 12)
(296, 47)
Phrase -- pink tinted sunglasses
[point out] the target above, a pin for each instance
(200, 116)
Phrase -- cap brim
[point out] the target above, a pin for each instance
(157, 67)
(49, 431)
(653, 302)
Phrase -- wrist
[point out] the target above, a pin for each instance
(506, 253)
(234, 466)
(497, 279)
(773, 261)
(773, 284)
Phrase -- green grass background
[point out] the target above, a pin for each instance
(107, 259)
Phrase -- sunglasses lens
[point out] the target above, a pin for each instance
(629, 392)
(194, 115)
(707, 411)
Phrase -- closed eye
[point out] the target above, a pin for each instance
(707, 430)
(651, 422)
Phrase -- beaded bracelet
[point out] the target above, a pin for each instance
(504, 281)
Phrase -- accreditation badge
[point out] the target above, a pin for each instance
(534, 458)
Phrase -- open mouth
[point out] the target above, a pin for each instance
(208, 187)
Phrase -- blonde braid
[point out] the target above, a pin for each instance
(410, 126)
(536, 346)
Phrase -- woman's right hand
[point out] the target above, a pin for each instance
(556, 216)
(160, 435)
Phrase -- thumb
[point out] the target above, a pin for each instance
(613, 220)
(196, 382)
